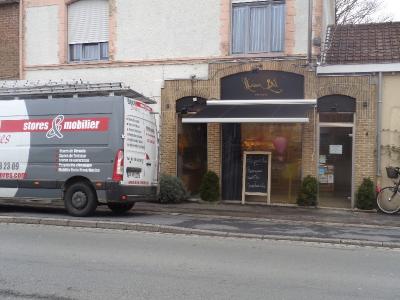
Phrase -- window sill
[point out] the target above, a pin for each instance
(259, 54)
(84, 62)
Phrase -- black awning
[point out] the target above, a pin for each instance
(274, 113)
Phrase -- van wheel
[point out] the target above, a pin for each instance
(80, 200)
(119, 208)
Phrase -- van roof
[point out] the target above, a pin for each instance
(21, 89)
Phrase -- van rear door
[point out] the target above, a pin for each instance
(140, 144)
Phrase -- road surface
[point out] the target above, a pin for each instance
(45, 262)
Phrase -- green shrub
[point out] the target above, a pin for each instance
(308, 192)
(172, 189)
(366, 194)
(209, 188)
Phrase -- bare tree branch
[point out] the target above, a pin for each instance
(360, 11)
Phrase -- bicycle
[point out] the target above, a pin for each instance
(388, 199)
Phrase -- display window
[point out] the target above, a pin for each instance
(284, 141)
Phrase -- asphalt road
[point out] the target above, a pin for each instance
(45, 262)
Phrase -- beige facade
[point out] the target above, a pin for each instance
(390, 142)
(361, 88)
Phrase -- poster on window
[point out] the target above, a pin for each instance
(336, 149)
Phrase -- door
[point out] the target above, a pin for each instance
(231, 162)
(335, 166)
(192, 155)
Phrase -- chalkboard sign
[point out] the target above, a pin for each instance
(256, 174)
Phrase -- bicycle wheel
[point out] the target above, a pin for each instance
(388, 200)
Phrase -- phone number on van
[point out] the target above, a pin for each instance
(9, 166)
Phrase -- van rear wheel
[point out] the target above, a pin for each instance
(80, 200)
(119, 208)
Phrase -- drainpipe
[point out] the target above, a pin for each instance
(21, 39)
(379, 125)
(310, 25)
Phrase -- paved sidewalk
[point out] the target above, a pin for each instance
(229, 220)
(288, 213)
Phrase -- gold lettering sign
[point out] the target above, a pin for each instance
(262, 88)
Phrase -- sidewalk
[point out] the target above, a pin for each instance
(228, 220)
(282, 213)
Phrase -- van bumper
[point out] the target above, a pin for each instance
(116, 192)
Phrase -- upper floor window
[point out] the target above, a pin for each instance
(258, 26)
(88, 27)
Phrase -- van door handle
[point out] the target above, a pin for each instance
(148, 164)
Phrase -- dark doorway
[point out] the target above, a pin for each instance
(192, 145)
(231, 162)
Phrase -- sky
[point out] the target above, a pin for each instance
(392, 7)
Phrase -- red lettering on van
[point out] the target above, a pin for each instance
(12, 175)
(68, 124)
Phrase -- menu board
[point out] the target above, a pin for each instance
(256, 172)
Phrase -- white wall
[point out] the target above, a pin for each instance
(149, 29)
(301, 27)
(41, 36)
(328, 16)
(147, 80)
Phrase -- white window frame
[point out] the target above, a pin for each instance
(99, 44)
(82, 59)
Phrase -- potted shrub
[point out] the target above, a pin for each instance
(209, 188)
(308, 192)
(172, 189)
(366, 195)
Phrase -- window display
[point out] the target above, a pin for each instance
(285, 144)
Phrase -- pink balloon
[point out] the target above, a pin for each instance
(280, 144)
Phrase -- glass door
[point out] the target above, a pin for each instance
(335, 166)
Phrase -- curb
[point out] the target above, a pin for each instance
(141, 227)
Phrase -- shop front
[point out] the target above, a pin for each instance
(262, 128)
(260, 113)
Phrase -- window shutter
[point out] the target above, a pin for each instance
(88, 21)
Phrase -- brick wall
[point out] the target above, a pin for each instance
(359, 87)
(9, 41)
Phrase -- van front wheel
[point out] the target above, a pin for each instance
(119, 208)
(80, 200)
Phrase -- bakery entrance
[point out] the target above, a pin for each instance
(335, 165)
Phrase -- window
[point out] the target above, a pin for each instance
(258, 27)
(88, 30)
(284, 141)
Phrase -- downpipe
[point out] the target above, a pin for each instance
(310, 24)
(379, 126)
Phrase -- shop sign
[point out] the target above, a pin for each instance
(263, 85)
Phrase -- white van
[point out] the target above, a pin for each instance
(87, 151)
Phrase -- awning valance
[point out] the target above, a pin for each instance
(255, 113)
